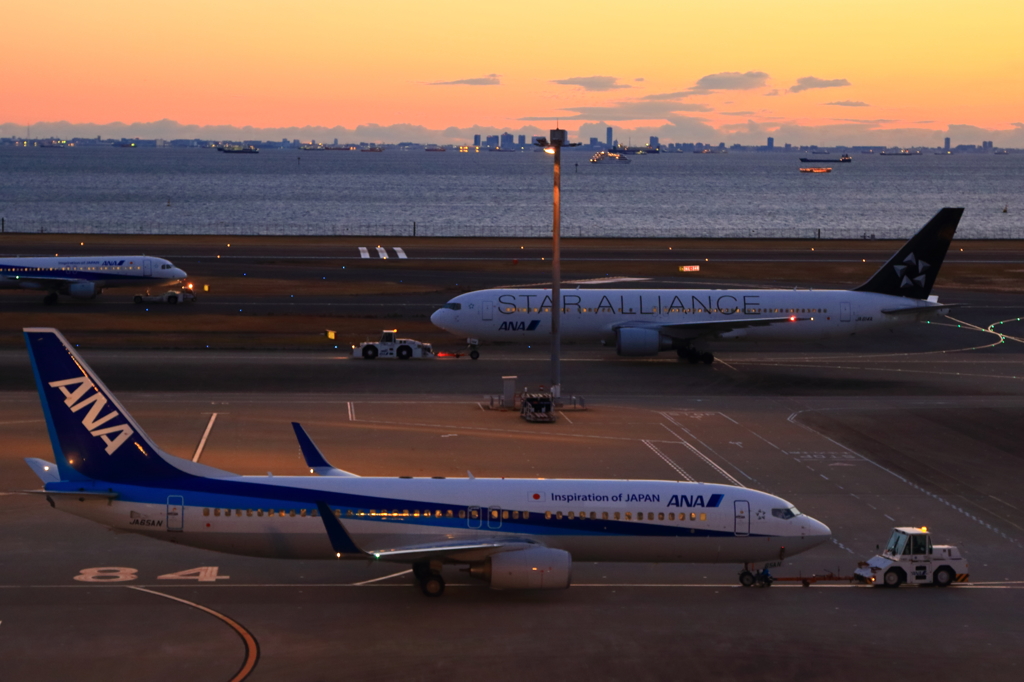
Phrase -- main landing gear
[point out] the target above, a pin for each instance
(694, 356)
(50, 298)
(429, 578)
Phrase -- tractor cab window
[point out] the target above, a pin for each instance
(897, 543)
(919, 544)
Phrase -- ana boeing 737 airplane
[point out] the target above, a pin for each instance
(85, 276)
(644, 322)
(513, 533)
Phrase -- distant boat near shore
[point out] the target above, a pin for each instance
(816, 170)
(845, 158)
(609, 157)
(238, 149)
(902, 152)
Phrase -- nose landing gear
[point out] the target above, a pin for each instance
(429, 578)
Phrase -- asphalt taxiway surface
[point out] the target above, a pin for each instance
(919, 429)
(922, 427)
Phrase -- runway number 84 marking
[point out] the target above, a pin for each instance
(121, 574)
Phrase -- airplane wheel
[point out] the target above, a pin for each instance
(944, 576)
(421, 571)
(173, 300)
(432, 585)
(707, 358)
(747, 579)
(403, 352)
(50, 299)
(370, 352)
(474, 354)
(693, 356)
(894, 577)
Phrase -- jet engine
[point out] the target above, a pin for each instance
(82, 290)
(535, 568)
(635, 341)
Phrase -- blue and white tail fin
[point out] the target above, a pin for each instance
(93, 436)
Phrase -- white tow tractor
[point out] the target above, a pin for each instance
(172, 297)
(910, 557)
(390, 346)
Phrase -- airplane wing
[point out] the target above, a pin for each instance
(315, 460)
(47, 283)
(689, 330)
(342, 543)
(920, 309)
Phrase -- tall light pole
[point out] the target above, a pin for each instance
(559, 139)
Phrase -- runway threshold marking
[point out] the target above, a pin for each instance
(202, 441)
(678, 469)
(363, 253)
(399, 251)
(382, 252)
(351, 411)
(252, 647)
(700, 454)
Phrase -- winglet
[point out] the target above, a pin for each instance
(314, 458)
(340, 539)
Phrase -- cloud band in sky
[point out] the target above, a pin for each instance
(812, 83)
(593, 83)
(490, 79)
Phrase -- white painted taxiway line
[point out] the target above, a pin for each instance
(363, 253)
(383, 577)
(202, 441)
(399, 251)
(382, 252)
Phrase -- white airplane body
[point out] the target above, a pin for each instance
(643, 322)
(516, 533)
(85, 277)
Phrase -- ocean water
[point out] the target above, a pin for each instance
(202, 191)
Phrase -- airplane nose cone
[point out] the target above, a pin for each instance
(180, 274)
(437, 318)
(817, 531)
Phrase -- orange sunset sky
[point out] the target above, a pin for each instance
(735, 69)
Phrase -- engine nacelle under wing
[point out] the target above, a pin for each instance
(636, 341)
(82, 290)
(536, 568)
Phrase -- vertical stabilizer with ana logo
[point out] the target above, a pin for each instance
(92, 435)
(912, 271)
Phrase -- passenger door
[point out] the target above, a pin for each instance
(494, 518)
(742, 508)
(845, 314)
(147, 267)
(487, 311)
(175, 513)
(474, 520)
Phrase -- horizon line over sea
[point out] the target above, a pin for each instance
(97, 190)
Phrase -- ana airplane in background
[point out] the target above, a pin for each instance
(643, 322)
(513, 533)
(85, 276)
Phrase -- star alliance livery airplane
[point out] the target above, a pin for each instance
(85, 276)
(644, 322)
(513, 533)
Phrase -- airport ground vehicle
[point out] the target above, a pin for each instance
(910, 557)
(538, 407)
(390, 346)
(172, 297)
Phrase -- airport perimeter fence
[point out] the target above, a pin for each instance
(429, 230)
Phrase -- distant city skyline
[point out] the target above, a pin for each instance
(908, 73)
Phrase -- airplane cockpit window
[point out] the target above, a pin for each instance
(785, 513)
(452, 306)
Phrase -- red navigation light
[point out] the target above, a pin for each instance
(792, 318)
